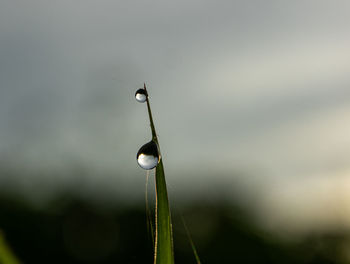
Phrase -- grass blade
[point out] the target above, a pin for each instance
(148, 212)
(164, 253)
(164, 237)
(6, 254)
(191, 241)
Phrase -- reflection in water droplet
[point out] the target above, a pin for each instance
(148, 156)
(141, 95)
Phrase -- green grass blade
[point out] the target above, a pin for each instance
(164, 253)
(148, 212)
(164, 238)
(6, 254)
(191, 241)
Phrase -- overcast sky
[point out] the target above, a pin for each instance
(253, 95)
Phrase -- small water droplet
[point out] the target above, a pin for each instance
(141, 95)
(148, 156)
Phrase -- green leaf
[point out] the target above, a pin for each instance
(164, 253)
(164, 237)
(6, 254)
(191, 241)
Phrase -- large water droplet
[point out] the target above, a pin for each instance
(148, 156)
(141, 95)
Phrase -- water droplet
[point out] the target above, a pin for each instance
(141, 95)
(148, 156)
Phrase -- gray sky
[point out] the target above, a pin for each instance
(260, 87)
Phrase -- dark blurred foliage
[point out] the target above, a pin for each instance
(72, 230)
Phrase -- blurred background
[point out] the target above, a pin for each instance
(251, 103)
